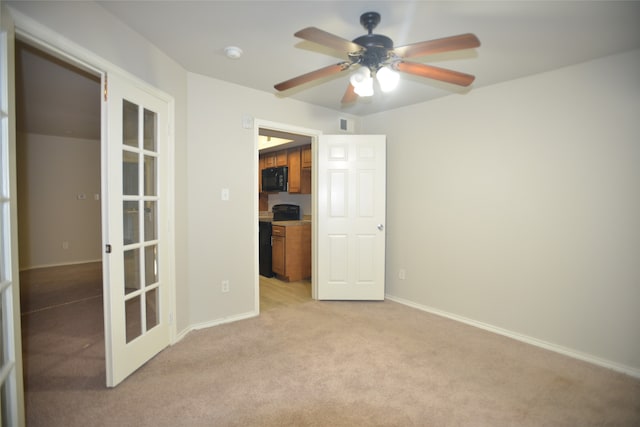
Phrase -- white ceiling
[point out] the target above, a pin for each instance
(519, 38)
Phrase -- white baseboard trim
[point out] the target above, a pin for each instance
(523, 338)
(62, 264)
(217, 322)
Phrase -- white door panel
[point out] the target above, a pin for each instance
(11, 385)
(137, 278)
(351, 217)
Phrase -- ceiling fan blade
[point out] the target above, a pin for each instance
(435, 73)
(447, 44)
(324, 38)
(349, 95)
(313, 75)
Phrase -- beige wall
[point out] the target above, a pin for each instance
(222, 154)
(52, 173)
(518, 206)
(515, 205)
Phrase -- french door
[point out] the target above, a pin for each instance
(137, 274)
(11, 388)
(351, 217)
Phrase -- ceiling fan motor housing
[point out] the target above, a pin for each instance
(370, 20)
(377, 49)
(377, 46)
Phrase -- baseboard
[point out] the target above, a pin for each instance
(523, 338)
(62, 264)
(217, 322)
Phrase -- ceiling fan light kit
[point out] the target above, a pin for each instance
(362, 82)
(375, 56)
(388, 79)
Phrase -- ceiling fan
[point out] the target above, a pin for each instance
(375, 56)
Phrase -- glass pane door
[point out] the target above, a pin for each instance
(137, 273)
(139, 216)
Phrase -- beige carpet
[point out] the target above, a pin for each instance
(318, 364)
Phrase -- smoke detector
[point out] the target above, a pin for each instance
(233, 52)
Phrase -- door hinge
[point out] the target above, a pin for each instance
(107, 248)
(106, 88)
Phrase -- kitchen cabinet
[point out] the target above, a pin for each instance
(291, 251)
(306, 156)
(278, 250)
(299, 174)
(295, 169)
(275, 158)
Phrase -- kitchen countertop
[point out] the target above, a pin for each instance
(269, 218)
(291, 223)
(285, 223)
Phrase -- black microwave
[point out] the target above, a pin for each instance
(275, 179)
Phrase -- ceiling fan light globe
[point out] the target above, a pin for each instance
(364, 88)
(387, 78)
(360, 76)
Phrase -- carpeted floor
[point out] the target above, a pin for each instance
(318, 364)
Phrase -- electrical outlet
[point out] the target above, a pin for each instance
(65, 245)
(225, 286)
(402, 274)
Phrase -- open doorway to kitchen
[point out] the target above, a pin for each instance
(286, 206)
(59, 221)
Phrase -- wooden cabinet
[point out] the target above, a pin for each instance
(298, 160)
(291, 251)
(281, 158)
(295, 169)
(306, 156)
(278, 250)
(268, 160)
(299, 174)
(275, 158)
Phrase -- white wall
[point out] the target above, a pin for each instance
(222, 154)
(518, 206)
(52, 173)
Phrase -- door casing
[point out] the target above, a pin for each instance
(43, 38)
(314, 134)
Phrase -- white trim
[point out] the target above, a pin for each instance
(634, 372)
(314, 134)
(30, 30)
(216, 322)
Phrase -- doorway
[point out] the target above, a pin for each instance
(59, 220)
(280, 145)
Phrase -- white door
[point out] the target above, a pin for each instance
(351, 217)
(137, 279)
(11, 388)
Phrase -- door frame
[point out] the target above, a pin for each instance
(315, 135)
(41, 37)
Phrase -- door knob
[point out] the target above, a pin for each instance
(380, 227)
